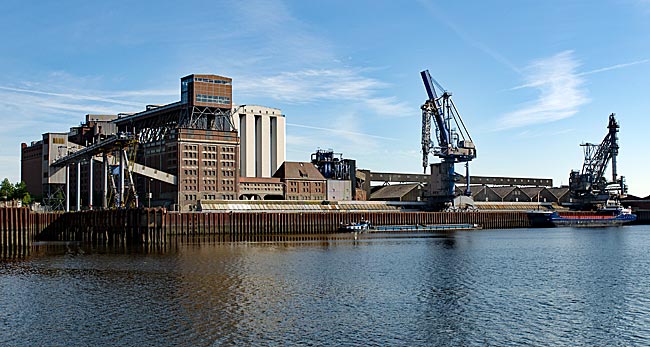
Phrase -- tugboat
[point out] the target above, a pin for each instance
(602, 218)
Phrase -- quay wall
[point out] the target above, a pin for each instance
(154, 225)
(19, 227)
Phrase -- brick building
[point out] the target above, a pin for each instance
(200, 146)
(302, 181)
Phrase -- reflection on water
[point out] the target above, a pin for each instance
(509, 287)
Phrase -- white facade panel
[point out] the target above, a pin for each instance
(262, 137)
(278, 143)
(247, 145)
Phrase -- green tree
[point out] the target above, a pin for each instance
(20, 190)
(27, 199)
(20, 193)
(6, 190)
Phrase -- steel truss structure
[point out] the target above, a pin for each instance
(152, 125)
(589, 185)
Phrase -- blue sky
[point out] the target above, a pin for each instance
(532, 79)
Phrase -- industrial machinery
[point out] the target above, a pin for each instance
(454, 144)
(589, 187)
(334, 167)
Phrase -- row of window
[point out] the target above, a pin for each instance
(266, 189)
(209, 197)
(304, 184)
(214, 99)
(208, 80)
(306, 197)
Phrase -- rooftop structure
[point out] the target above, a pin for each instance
(303, 181)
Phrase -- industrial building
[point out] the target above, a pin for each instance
(204, 149)
(262, 133)
(339, 172)
(181, 153)
(302, 181)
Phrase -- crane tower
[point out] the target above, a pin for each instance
(589, 187)
(454, 144)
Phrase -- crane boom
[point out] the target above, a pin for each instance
(590, 185)
(436, 110)
(454, 144)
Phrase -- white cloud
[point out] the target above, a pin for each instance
(560, 89)
(312, 85)
(352, 135)
(443, 18)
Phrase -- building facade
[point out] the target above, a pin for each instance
(262, 133)
(261, 188)
(302, 181)
(41, 178)
(201, 149)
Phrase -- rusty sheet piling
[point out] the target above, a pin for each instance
(155, 226)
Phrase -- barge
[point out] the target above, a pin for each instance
(365, 226)
(598, 219)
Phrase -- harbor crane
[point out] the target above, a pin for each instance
(454, 144)
(589, 187)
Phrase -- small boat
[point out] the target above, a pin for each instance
(356, 227)
(602, 218)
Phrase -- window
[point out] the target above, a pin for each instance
(208, 80)
(213, 99)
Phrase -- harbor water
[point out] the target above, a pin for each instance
(553, 287)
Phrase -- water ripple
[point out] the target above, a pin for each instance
(559, 287)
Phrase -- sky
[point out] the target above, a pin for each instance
(532, 80)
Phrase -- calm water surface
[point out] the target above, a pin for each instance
(554, 287)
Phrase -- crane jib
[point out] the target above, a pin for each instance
(428, 84)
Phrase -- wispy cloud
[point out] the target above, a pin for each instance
(614, 67)
(560, 89)
(78, 97)
(529, 134)
(463, 35)
(32, 108)
(342, 132)
(312, 85)
(586, 73)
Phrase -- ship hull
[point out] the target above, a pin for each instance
(592, 221)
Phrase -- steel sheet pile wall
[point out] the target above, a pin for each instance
(109, 227)
(155, 226)
(194, 223)
(18, 227)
